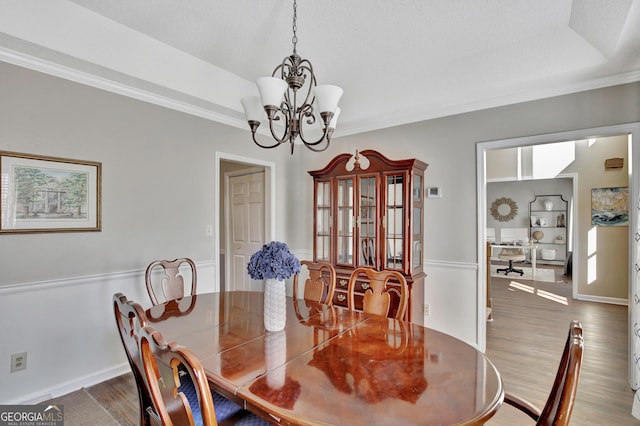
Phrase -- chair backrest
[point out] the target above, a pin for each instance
(559, 405)
(513, 253)
(320, 284)
(164, 366)
(130, 318)
(171, 282)
(377, 297)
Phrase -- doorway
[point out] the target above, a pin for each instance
(244, 224)
(632, 131)
(225, 162)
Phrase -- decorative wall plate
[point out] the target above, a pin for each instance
(504, 209)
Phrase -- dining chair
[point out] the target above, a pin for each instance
(178, 385)
(378, 293)
(320, 283)
(170, 283)
(559, 404)
(130, 318)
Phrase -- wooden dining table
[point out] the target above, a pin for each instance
(330, 365)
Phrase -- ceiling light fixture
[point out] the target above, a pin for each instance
(279, 99)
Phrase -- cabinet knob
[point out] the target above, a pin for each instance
(365, 286)
(341, 297)
(343, 283)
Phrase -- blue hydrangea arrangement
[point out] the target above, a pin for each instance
(273, 261)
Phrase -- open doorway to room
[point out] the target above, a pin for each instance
(540, 226)
(590, 148)
(244, 216)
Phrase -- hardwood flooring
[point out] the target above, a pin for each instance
(526, 338)
(525, 341)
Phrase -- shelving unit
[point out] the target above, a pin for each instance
(549, 219)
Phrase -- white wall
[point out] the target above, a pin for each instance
(157, 199)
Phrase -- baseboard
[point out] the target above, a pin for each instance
(601, 299)
(73, 385)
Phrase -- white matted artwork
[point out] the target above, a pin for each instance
(49, 194)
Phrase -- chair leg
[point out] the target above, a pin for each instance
(510, 268)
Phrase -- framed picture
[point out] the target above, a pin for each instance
(610, 206)
(48, 194)
(535, 221)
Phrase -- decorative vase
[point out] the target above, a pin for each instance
(275, 305)
(548, 205)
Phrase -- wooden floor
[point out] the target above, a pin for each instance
(525, 341)
(527, 336)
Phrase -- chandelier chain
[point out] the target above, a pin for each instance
(294, 39)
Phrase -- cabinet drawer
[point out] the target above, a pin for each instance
(342, 283)
(341, 298)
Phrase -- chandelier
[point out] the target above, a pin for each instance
(279, 95)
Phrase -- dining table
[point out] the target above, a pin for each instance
(331, 365)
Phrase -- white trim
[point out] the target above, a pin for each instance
(600, 299)
(57, 70)
(83, 280)
(270, 200)
(72, 385)
(449, 265)
(346, 129)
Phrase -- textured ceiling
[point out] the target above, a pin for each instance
(398, 61)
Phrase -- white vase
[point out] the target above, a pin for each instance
(275, 305)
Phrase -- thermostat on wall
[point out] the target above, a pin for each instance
(434, 192)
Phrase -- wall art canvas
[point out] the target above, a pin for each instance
(610, 206)
(48, 194)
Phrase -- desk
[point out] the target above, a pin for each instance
(331, 365)
(531, 247)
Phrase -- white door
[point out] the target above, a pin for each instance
(245, 227)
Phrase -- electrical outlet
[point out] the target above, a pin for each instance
(18, 361)
(427, 310)
(209, 231)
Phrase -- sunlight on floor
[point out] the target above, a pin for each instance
(514, 285)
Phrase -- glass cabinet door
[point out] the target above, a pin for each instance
(417, 221)
(344, 221)
(394, 221)
(323, 221)
(367, 235)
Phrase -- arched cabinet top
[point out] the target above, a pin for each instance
(377, 162)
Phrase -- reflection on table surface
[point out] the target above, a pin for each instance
(331, 365)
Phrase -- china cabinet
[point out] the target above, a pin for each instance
(369, 211)
(548, 229)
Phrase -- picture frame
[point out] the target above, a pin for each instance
(610, 206)
(40, 194)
